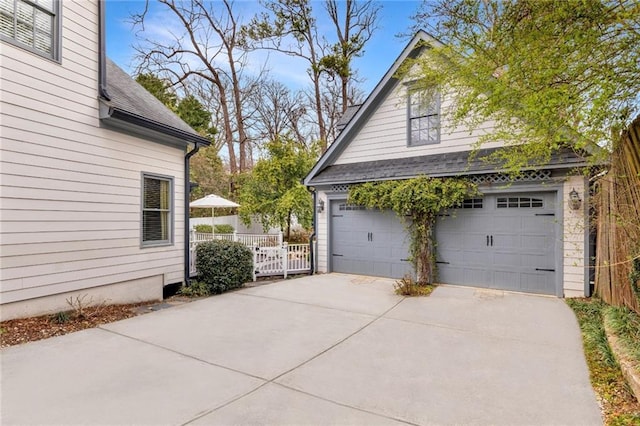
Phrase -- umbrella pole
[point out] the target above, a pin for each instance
(213, 223)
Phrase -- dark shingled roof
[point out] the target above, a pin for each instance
(129, 97)
(448, 164)
(347, 116)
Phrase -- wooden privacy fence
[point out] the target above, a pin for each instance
(618, 235)
(271, 256)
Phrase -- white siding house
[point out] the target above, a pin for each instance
(92, 188)
(521, 235)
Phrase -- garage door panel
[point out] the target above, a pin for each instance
(473, 257)
(465, 259)
(470, 223)
(506, 259)
(535, 223)
(367, 242)
(455, 241)
(474, 240)
(506, 241)
(521, 237)
(449, 274)
(449, 223)
(506, 279)
(537, 242)
(535, 282)
(537, 260)
(476, 277)
(505, 222)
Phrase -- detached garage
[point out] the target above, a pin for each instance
(522, 234)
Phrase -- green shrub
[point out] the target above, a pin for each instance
(223, 265)
(220, 229)
(299, 236)
(196, 289)
(224, 229)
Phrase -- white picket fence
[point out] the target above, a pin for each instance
(271, 256)
(266, 240)
(282, 260)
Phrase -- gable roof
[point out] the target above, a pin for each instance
(132, 108)
(347, 116)
(360, 116)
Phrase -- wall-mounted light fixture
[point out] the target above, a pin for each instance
(574, 200)
(320, 207)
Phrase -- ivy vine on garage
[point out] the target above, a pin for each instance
(417, 202)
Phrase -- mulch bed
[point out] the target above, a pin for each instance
(22, 330)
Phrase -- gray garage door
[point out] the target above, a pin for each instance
(367, 242)
(500, 241)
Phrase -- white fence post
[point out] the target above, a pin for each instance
(280, 238)
(235, 236)
(285, 258)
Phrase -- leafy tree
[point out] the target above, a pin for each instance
(207, 169)
(547, 73)
(273, 190)
(159, 88)
(417, 202)
(195, 115)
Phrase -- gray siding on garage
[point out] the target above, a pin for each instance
(507, 243)
(367, 242)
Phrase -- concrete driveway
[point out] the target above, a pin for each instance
(327, 349)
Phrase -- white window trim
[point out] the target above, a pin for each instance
(56, 36)
(410, 141)
(159, 243)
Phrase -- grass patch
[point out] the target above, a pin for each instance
(196, 289)
(619, 406)
(626, 325)
(407, 286)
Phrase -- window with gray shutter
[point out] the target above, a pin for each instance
(157, 210)
(32, 24)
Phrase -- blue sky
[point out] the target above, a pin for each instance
(380, 52)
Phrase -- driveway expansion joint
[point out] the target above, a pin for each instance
(342, 404)
(273, 380)
(475, 332)
(182, 354)
(313, 304)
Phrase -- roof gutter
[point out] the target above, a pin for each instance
(187, 192)
(102, 53)
(136, 120)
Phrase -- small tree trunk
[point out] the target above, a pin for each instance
(288, 225)
(425, 262)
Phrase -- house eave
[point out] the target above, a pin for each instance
(124, 121)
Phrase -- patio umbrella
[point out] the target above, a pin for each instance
(212, 201)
